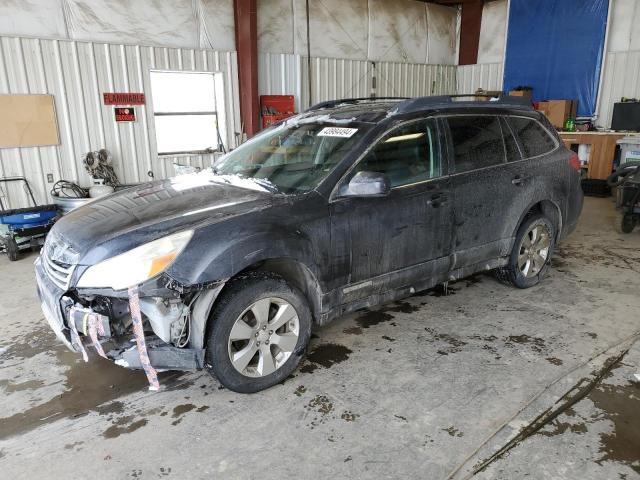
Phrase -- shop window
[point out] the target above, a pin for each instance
(187, 110)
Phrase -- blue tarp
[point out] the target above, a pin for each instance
(556, 47)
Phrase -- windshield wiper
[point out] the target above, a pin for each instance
(265, 182)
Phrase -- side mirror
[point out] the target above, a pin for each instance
(368, 184)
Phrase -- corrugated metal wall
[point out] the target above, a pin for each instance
(482, 75)
(77, 73)
(621, 79)
(340, 78)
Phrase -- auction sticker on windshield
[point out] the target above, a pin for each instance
(337, 132)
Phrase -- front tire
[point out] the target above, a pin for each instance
(12, 249)
(628, 223)
(531, 254)
(260, 329)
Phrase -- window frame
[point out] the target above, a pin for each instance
(444, 167)
(519, 142)
(215, 113)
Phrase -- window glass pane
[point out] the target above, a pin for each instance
(183, 92)
(406, 155)
(290, 157)
(534, 139)
(513, 154)
(185, 133)
(477, 142)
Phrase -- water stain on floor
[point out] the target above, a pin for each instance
(126, 424)
(180, 410)
(325, 355)
(536, 344)
(88, 385)
(373, 317)
(620, 404)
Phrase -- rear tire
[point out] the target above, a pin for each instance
(262, 315)
(532, 250)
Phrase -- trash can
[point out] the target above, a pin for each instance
(629, 149)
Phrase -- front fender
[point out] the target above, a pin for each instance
(210, 261)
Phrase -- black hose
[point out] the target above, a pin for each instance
(621, 173)
(67, 189)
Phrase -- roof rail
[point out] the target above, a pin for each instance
(333, 103)
(422, 103)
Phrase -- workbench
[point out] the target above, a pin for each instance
(603, 149)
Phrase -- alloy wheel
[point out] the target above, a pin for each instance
(263, 337)
(534, 250)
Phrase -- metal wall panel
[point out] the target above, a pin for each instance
(281, 74)
(621, 79)
(483, 75)
(76, 74)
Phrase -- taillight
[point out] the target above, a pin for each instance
(574, 162)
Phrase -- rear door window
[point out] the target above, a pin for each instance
(510, 144)
(534, 138)
(477, 142)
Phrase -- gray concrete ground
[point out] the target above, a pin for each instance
(426, 388)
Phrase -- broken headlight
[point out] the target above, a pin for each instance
(137, 265)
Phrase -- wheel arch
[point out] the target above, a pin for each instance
(293, 271)
(549, 209)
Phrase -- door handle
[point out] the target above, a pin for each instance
(519, 180)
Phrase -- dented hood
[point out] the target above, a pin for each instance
(137, 215)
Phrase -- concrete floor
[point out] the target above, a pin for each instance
(431, 387)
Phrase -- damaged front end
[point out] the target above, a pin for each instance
(157, 325)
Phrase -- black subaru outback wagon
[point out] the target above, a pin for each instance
(350, 204)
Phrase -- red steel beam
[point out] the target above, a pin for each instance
(245, 17)
(470, 32)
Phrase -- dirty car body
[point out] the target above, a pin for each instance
(351, 204)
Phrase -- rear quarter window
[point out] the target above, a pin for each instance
(534, 138)
(477, 142)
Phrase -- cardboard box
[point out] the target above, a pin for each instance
(557, 111)
(486, 95)
(521, 93)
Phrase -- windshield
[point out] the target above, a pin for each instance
(292, 158)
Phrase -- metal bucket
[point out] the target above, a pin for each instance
(67, 204)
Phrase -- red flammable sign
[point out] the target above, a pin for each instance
(123, 98)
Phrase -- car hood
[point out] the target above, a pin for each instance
(144, 213)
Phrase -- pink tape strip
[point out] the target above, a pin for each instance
(136, 318)
(75, 339)
(96, 328)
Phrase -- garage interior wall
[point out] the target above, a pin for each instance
(621, 68)
(621, 71)
(76, 74)
(409, 46)
(78, 49)
(488, 72)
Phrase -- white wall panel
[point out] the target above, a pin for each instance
(487, 76)
(397, 31)
(76, 74)
(493, 32)
(341, 78)
(621, 79)
(33, 17)
(275, 26)
(338, 28)
(624, 18)
(384, 30)
(442, 34)
(217, 24)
